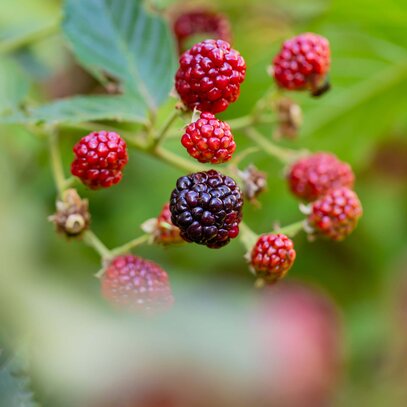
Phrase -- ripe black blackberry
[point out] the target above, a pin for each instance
(207, 208)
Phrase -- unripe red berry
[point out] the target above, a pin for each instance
(209, 76)
(303, 63)
(209, 140)
(136, 284)
(312, 177)
(336, 214)
(272, 256)
(166, 232)
(99, 159)
(190, 23)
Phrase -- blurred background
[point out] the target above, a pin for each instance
(334, 333)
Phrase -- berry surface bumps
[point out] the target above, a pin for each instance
(272, 256)
(336, 214)
(209, 140)
(312, 177)
(302, 63)
(207, 207)
(209, 76)
(99, 159)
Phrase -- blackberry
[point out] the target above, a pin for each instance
(272, 256)
(312, 177)
(207, 207)
(136, 284)
(336, 214)
(209, 140)
(99, 159)
(303, 63)
(209, 76)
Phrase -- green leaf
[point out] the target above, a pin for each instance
(81, 109)
(122, 39)
(15, 384)
(14, 85)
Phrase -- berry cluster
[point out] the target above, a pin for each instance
(206, 207)
(327, 181)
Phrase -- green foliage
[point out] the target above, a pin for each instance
(81, 109)
(120, 38)
(14, 85)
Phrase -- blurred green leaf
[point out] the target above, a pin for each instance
(121, 38)
(14, 85)
(81, 109)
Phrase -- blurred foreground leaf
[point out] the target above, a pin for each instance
(14, 384)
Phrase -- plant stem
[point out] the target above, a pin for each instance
(93, 241)
(247, 236)
(13, 44)
(285, 155)
(175, 161)
(240, 122)
(130, 245)
(56, 163)
(249, 120)
(291, 230)
(162, 133)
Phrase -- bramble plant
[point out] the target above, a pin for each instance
(136, 52)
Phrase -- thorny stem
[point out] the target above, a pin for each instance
(130, 245)
(93, 241)
(285, 155)
(152, 147)
(14, 44)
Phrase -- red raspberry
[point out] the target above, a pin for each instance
(99, 159)
(303, 63)
(209, 76)
(166, 232)
(336, 214)
(313, 176)
(136, 284)
(191, 23)
(209, 140)
(272, 256)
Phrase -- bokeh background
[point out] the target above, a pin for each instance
(340, 319)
